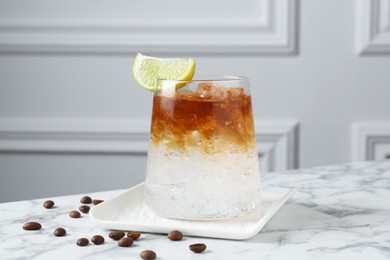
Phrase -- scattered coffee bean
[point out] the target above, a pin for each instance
(84, 208)
(82, 242)
(148, 255)
(116, 235)
(86, 200)
(175, 235)
(125, 241)
(48, 204)
(74, 214)
(59, 232)
(197, 248)
(96, 202)
(134, 235)
(32, 226)
(97, 239)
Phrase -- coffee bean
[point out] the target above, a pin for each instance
(74, 214)
(197, 248)
(134, 235)
(32, 226)
(60, 232)
(175, 235)
(125, 241)
(84, 208)
(86, 200)
(97, 239)
(82, 242)
(96, 202)
(148, 255)
(48, 204)
(116, 235)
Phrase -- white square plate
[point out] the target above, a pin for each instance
(128, 211)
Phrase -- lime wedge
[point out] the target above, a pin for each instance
(147, 70)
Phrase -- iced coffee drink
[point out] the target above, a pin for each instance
(202, 160)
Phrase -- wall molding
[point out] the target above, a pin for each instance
(370, 141)
(271, 30)
(277, 142)
(373, 26)
(276, 139)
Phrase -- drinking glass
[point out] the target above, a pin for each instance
(202, 160)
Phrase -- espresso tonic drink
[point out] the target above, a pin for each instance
(202, 160)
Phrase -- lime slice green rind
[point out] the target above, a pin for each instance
(147, 70)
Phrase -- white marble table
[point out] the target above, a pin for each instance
(337, 212)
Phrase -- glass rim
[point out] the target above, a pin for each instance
(208, 78)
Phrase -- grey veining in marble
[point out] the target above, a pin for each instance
(337, 212)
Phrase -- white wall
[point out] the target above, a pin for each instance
(72, 119)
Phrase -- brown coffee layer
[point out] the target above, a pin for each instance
(211, 122)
